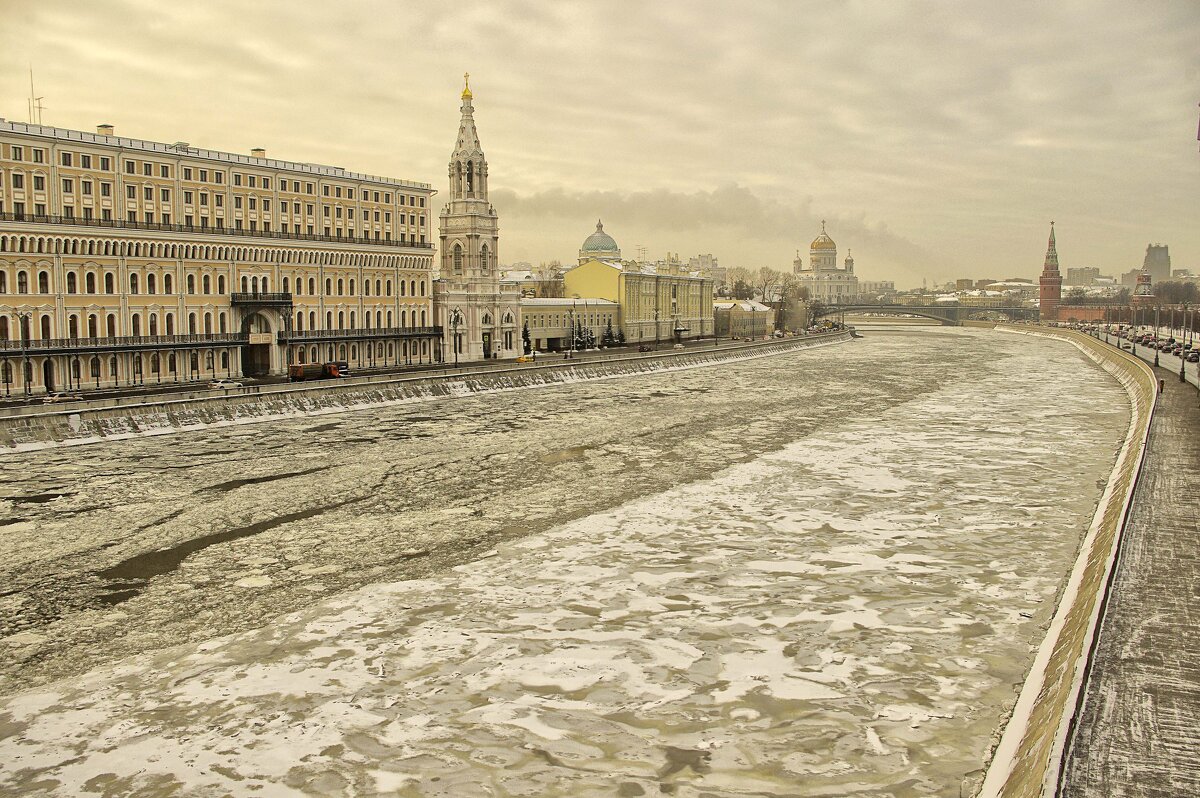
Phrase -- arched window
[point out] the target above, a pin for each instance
(328, 287)
(389, 287)
(312, 320)
(94, 368)
(4, 328)
(299, 320)
(329, 320)
(154, 325)
(422, 289)
(423, 322)
(220, 284)
(150, 284)
(154, 363)
(22, 283)
(341, 319)
(224, 360)
(109, 283)
(43, 282)
(3, 277)
(265, 287)
(412, 287)
(378, 285)
(171, 362)
(191, 323)
(245, 284)
(46, 328)
(351, 286)
(133, 284)
(89, 283)
(483, 259)
(458, 258)
(404, 318)
(111, 325)
(366, 287)
(403, 288)
(352, 325)
(285, 285)
(221, 319)
(206, 284)
(191, 283)
(137, 324)
(71, 282)
(389, 318)
(312, 286)
(73, 326)
(170, 321)
(339, 286)
(167, 284)
(93, 326)
(208, 324)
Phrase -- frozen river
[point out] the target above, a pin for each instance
(822, 573)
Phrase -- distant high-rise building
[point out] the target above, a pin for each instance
(1157, 262)
(1050, 282)
(1082, 275)
(964, 284)
(982, 284)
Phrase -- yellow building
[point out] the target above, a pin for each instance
(653, 306)
(743, 318)
(125, 261)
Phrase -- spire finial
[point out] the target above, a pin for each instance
(599, 226)
(822, 225)
(466, 95)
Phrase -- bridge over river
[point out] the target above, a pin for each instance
(949, 315)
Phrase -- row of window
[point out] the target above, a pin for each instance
(250, 284)
(104, 164)
(201, 323)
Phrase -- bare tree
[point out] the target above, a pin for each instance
(765, 282)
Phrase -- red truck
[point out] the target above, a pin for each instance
(318, 371)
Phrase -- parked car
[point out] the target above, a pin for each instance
(1194, 356)
(54, 398)
(530, 358)
(223, 385)
(677, 346)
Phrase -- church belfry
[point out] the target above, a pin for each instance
(479, 316)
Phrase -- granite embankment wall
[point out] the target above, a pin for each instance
(1027, 759)
(91, 422)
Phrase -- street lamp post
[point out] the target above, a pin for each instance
(455, 320)
(1157, 308)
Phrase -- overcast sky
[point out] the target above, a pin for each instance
(937, 139)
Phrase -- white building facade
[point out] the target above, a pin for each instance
(479, 315)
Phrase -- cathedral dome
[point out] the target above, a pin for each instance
(600, 242)
(823, 242)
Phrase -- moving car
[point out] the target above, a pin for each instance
(223, 385)
(54, 398)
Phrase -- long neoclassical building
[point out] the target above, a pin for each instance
(127, 261)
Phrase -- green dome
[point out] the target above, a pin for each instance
(599, 241)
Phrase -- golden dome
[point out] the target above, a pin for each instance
(823, 242)
(466, 95)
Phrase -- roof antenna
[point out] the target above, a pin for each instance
(35, 102)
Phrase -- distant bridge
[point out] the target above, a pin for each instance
(949, 315)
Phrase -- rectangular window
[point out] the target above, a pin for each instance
(325, 211)
(130, 168)
(39, 210)
(132, 216)
(266, 205)
(166, 218)
(310, 210)
(237, 223)
(148, 193)
(219, 199)
(308, 188)
(422, 202)
(148, 169)
(188, 220)
(165, 195)
(106, 214)
(338, 192)
(39, 183)
(85, 162)
(237, 202)
(218, 177)
(66, 158)
(252, 181)
(253, 203)
(86, 187)
(203, 198)
(203, 175)
(68, 185)
(131, 192)
(339, 212)
(266, 182)
(164, 170)
(296, 186)
(17, 153)
(387, 216)
(39, 156)
(237, 178)
(187, 198)
(377, 196)
(106, 189)
(349, 193)
(187, 173)
(325, 190)
(105, 163)
(69, 211)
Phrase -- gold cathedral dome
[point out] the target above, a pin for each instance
(823, 241)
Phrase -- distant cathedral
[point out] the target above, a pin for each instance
(822, 278)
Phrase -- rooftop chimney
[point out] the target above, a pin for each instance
(258, 152)
(104, 130)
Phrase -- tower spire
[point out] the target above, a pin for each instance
(466, 95)
(1050, 283)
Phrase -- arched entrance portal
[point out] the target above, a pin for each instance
(256, 354)
(48, 375)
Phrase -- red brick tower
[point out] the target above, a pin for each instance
(1051, 283)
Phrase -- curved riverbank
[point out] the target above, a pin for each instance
(43, 427)
(1027, 759)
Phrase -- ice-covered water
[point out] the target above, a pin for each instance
(817, 574)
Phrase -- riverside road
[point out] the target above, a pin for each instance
(823, 571)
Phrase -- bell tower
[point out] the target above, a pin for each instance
(480, 316)
(470, 230)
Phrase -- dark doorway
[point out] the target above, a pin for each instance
(487, 345)
(48, 375)
(256, 360)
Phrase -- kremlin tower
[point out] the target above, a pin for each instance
(1051, 283)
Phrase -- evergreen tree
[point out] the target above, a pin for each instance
(608, 339)
(525, 342)
(578, 342)
(620, 338)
